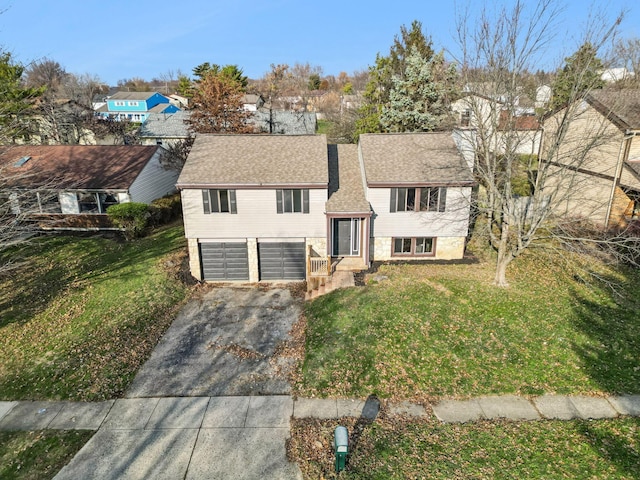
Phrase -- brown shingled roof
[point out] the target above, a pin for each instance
(520, 122)
(256, 160)
(413, 158)
(346, 190)
(622, 107)
(74, 166)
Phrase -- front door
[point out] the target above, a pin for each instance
(346, 237)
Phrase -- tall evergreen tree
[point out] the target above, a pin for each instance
(380, 82)
(15, 99)
(419, 99)
(231, 72)
(581, 74)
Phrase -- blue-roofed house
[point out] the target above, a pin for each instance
(135, 106)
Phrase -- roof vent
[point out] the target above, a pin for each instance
(22, 161)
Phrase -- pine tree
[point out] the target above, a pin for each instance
(379, 86)
(581, 74)
(419, 99)
(15, 99)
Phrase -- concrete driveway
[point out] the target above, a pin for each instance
(222, 344)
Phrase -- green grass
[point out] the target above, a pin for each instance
(323, 126)
(395, 449)
(81, 316)
(38, 455)
(445, 330)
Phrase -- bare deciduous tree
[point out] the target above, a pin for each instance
(503, 47)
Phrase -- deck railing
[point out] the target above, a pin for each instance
(318, 266)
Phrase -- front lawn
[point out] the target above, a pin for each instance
(423, 330)
(396, 449)
(83, 314)
(38, 455)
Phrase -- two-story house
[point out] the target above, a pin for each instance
(135, 106)
(595, 172)
(260, 207)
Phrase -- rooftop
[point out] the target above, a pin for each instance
(256, 161)
(74, 166)
(413, 158)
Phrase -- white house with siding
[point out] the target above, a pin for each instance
(270, 207)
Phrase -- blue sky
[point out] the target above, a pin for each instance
(119, 39)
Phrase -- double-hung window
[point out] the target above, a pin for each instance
(219, 201)
(292, 200)
(419, 199)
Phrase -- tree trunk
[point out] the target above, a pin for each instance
(504, 258)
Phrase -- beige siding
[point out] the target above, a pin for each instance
(579, 195)
(153, 182)
(588, 132)
(257, 217)
(454, 222)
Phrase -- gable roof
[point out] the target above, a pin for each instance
(160, 125)
(346, 190)
(413, 159)
(256, 161)
(622, 107)
(132, 95)
(112, 167)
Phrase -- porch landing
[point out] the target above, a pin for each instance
(348, 264)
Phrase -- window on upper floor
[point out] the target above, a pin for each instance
(292, 200)
(133, 104)
(219, 201)
(119, 103)
(422, 199)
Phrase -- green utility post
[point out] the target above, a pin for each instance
(341, 447)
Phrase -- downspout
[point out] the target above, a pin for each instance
(622, 154)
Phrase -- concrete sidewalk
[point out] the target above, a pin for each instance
(244, 437)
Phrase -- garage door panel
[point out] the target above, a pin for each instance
(282, 261)
(224, 261)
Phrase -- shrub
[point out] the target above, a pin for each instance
(132, 218)
(165, 209)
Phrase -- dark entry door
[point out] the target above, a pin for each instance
(346, 237)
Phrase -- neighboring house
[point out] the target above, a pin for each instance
(165, 129)
(612, 75)
(252, 102)
(56, 122)
(73, 185)
(135, 106)
(178, 100)
(605, 187)
(543, 96)
(283, 122)
(269, 207)
(351, 102)
(489, 116)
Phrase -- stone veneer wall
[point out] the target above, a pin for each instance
(252, 254)
(194, 258)
(319, 245)
(447, 248)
